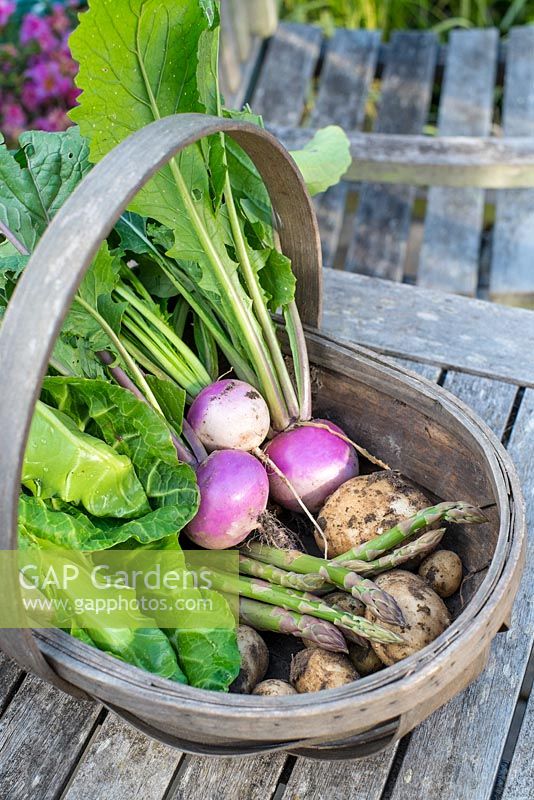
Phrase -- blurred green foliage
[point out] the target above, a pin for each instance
(389, 15)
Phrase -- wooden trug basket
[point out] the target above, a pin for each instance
(415, 426)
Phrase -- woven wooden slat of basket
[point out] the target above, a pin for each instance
(415, 426)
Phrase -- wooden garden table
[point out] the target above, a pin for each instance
(52, 746)
(480, 745)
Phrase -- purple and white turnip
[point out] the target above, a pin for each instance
(234, 489)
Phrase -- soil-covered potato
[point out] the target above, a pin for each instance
(424, 611)
(315, 669)
(365, 507)
(254, 660)
(443, 571)
(364, 658)
(345, 601)
(274, 688)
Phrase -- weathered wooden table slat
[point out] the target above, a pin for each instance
(453, 223)
(349, 67)
(338, 780)
(521, 775)
(42, 733)
(512, 275)
(125, 762)
(425, 325)
(382, 222)
(289, 66)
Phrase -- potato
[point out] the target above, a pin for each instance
(443, 571)
(346, 602)
(274, 688)
(315, 669)
(424, 611)
(364, 658)
(366, 506)
(254, 660)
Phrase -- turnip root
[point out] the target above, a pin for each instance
(424, 611)
(274, 688)
(254, 660)
(229, 415)
(314, 461)
(315, 669)
(234, 489)
(443, 571)
(366, 506)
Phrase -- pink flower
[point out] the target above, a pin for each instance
(7, 8)
(29, 96)
(55, 120)
(48, 80)
(13, 120)
(14, 115)
(63, 57)
(59, 20)
(36, 28)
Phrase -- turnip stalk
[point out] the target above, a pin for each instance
(8, 234)
(191, 362)
(301, 361)
(123, 352)
(269, 384)
(268, 380)
(241, 367)
(158, 348)
(185, 288)
(199, 451)
(143, 359)
(262, 313)
(120, 376)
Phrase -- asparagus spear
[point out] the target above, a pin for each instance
(426, 543)
(292, 580)
(380, 602)
(265, 617)
(350, 635)
(256, 589)
(448, 512)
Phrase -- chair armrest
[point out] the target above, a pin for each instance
(487, 163)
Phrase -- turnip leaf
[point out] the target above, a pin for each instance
(138, 63)
(325, 159)
(35, 183)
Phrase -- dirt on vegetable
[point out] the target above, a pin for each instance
(365, 507)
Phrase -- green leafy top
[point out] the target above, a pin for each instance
(138, 63)
(36, 181)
